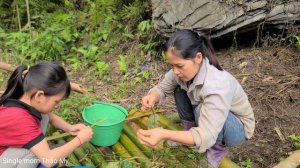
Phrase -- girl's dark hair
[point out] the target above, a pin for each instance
(46, 76)
(188, 43)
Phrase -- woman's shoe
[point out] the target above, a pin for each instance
(215, 154)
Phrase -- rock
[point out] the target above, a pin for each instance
(218, 18)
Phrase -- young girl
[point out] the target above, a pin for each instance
(25, 108)
(212, 105)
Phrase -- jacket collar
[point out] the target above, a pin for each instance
(20, 104)
(201, 75)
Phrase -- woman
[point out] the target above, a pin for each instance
(212, 105)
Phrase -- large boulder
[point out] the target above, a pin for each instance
(219, 17)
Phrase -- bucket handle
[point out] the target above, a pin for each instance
(124, 111)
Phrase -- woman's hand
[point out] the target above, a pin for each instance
(150, 137)
(85, 134)
(74, 129)
(149, 100)
(153, 136)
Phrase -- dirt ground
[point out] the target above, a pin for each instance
(270, 77)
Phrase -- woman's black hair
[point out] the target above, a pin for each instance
(187, 43)
(46, 76)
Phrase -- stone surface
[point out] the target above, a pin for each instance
(217, 17)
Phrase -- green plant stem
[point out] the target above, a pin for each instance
(98, 122)
(58, 136)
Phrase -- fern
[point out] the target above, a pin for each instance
(133, 13)
(144, 26)
(122, 64)
(102, 68)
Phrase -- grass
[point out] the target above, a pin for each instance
(71, 108)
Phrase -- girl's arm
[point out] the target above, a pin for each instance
(60, 123)
(153, 136)
(50, 157)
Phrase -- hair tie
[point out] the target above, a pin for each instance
(25, 72)
(200, 34)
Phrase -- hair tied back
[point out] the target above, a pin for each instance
(25, 72)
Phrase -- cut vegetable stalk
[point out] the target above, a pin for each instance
(133, 149)
(131, 135)
(121, 151)
(81, 155)
(166, 123)
(94, 154)
(136, 127)
(72, 160)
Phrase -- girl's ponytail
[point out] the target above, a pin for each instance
(45, 76)
(14, 87)
(210, 51)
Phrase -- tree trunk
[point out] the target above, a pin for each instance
(28, 14)
(220, 17)
(291, 162)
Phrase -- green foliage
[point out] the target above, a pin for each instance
(81, 36)
(106, 28)
(296, 140)
(297, 40)
(146, 74)
(71, 108)
(149, 45)
(295, 137)
(68, 3)
(75, 63)
(145, 31)
(121, 92)
(8, 42)
(8, 11)
(2, 77)
(137, 80)
(133, 12)
(164, 56)
(171, 156)
(122, 64)
(102, 68)
(104, 24)
(48, 43)
(128, 35)
(246, 163)
(92, 52)
(126, 164)
(144, 26)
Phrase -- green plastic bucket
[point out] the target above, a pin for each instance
(108, 120)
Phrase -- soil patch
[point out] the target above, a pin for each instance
(271, 78)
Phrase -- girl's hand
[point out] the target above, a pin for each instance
(74, 129)
(149, 101)
(85, 134)
(150, 137)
